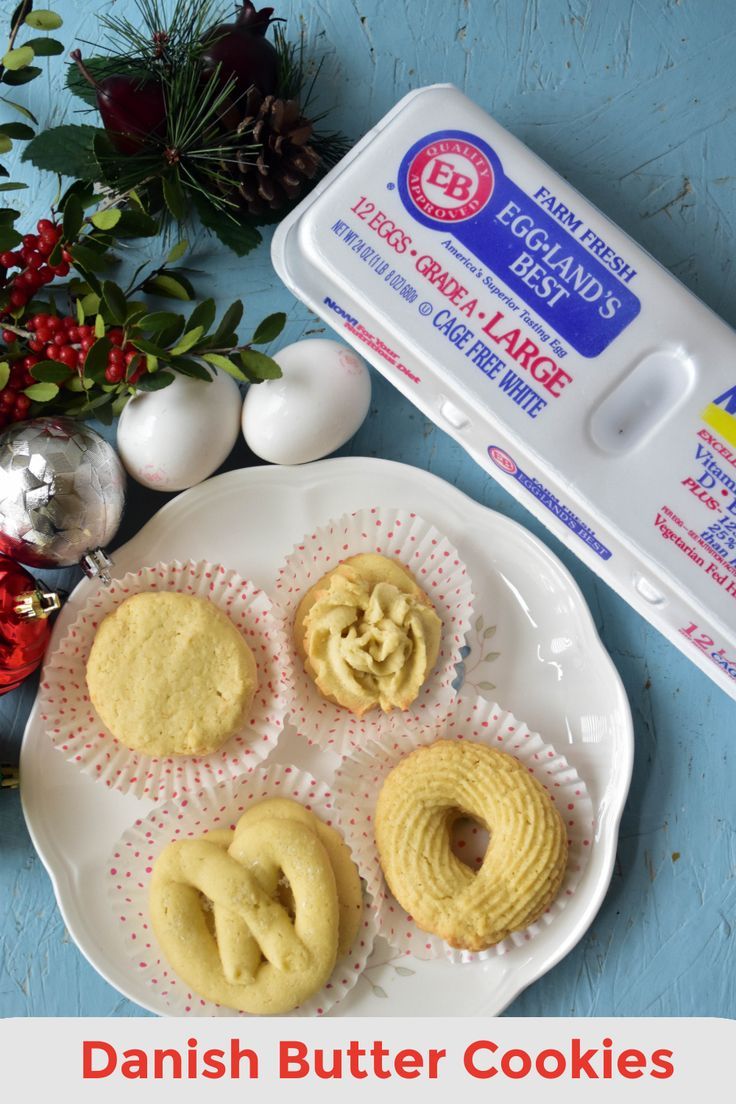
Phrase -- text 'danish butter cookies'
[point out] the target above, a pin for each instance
(169, 674)
(368, 634)
(255, 919)
(525, 861)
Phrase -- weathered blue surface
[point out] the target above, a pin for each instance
(635, 102)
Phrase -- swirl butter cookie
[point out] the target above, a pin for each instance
(523, 866)
(169, 674)
(368, 634)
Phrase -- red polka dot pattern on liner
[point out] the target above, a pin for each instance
(76, 731)
(361, 775)
(132, 858)
(438, 567)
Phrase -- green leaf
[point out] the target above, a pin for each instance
(236, 235)
(80, 312)
(203, 315)
(43, 20)
(96, 360)
(73, 218)
(12, 186)
(18, 58)
(149, 347)
(167, 287)
(269, 329)
(155, 381)
(67, 150)
(188, 341)
(8, 216)
(136, 224)
(91, 259)
(176, 252)
(20, 109)
(90, 305)
(15, 77)
(193, 368)
(106, 220)
(99, 326)
(17, 130)
(42, 392)
(174, 197)
(9, 238)
(229, 322)
(259, 365)
(4, 374)
(157, 320)
(50, 371)
(5, 143)
(223, 362)
(115, 300)
(45, 47)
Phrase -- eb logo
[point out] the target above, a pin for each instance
(450, 180)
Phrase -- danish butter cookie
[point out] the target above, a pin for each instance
(169, 674)
(525, 861)
(368, 635)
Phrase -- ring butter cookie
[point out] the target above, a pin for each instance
(525, 860)
(368, 635)
(169, 674)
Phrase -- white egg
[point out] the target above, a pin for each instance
(176, 437)
(317, 405)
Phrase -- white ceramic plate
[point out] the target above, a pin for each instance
(536, 645)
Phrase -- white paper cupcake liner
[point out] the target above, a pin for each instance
(438, 569)
(359, 780)
(77, 731)
(131, 864)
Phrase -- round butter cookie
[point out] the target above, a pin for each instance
(368, 635)
(525, 860)
(169, 674)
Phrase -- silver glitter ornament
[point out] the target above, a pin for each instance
(62, 492)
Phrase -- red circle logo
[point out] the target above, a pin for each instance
(502, 460)
(450, 180)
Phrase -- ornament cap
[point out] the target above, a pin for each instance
(96, 565)
(38, 604)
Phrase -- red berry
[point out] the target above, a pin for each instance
(116, 356)
(7, 398)
(29, 361)
(21, 405)
(45, 226)
(18, 298)
(66, 255)
(37, 344)
(30, 241)
(68, 356)
(86, 343)
(35, 261)
(114, 373)
(53, 323)
(116, 336)
(72, 333)
(52, 352)
(45, 275)
(9, 259)
(8, 337)
(30, 279)
(60, 338)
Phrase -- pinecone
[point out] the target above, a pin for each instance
(274, 177)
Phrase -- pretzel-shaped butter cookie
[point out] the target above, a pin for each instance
(213, 906)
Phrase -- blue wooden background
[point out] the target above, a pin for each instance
(635, 102)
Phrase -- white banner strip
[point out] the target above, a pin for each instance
(402, 1059)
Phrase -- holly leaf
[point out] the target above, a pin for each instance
(155, 381)
(17, 130)
(18, 58)
(115, 300)
(174, 197)
(176, 252)
(42, 392)
(188, 341)
(259, 366)
(217, 360)
(20, 109)
(106, 220)
(45, 47)
(99, 67)
(269, 329)
(168, 287)
(67, 150)
(193, 368)
(50, 371)
(15, 77)
(43, 20)
(202, 316)
(236, 235)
